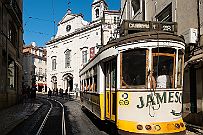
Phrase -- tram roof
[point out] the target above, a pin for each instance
(140, 36)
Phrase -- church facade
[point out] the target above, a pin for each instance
(76, 42)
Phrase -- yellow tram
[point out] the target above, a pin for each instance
(136, 82)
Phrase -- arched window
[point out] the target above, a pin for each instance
(53, 62)
(67, 58)
(97, 12)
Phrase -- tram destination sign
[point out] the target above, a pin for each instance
(130, 26)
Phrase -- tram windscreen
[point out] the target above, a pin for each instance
(163, 67)
(134, 68)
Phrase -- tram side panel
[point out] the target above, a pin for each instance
(144, 112)
(94, 101)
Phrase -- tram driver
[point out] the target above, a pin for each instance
(163, 80)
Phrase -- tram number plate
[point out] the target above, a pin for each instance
(124, 102)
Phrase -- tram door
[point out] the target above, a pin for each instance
(110, 77)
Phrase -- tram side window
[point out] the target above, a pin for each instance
(134, 68)
(107, 75)
(88, 84)
(85, 84)
(81, 88)
(95, 79)
(91, 85)
(95, 83)
(180, 68)
(163, 67)
(113, 74)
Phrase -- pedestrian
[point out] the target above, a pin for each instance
(49, 92)
(33, 94)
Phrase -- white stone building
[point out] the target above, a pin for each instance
(76, 42)
(34, 66)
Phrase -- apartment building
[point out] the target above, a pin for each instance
(34, 67)
(11, 43)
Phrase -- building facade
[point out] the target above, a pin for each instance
(76, 42)
(11, 43)
(34, 67)
(189, 17)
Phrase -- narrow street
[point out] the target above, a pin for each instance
(78, 121)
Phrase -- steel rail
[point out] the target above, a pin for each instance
(45, 119)
(47, 115)
(63, 119)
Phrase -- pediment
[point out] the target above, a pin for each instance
(67, 18)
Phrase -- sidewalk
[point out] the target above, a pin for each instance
(14, 115)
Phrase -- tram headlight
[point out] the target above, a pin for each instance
(177, 125)
(125, 95)
(139, 127)
(181, 124)
(148, 127)
(157, 128)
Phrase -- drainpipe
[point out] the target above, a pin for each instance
(198, 23)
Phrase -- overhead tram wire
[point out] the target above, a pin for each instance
(36, 18)
(38, 32)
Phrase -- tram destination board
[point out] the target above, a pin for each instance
(132, 26)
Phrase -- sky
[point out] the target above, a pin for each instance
(39, 16)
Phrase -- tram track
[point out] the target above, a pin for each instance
(52, 121)
(49, 119)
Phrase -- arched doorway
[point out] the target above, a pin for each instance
(68, 82)
(54, 82)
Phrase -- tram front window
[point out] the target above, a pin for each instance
(134, 68)
(163, 67)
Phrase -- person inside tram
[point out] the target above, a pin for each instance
(152, 79)
(163, 80)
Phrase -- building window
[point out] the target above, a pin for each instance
(12, 33)
(40, 71)
(11, 73)
(67, 58)
(118, 20)
(84, 56)
(114, 20)
(40, 60)
(135, 5)
(165, 15)
(97, 13)
(53, 63)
